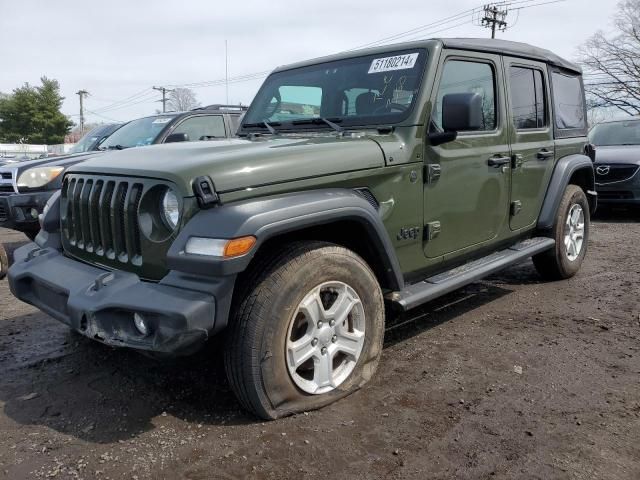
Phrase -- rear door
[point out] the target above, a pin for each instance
(531, 134)
(466, 192)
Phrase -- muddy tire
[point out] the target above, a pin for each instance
(4, 262)
(571, 233)
(306, 331)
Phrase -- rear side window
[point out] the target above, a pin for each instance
(462, 76)
(568, 101)
(527, 98)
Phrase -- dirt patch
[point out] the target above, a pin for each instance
(508, 378)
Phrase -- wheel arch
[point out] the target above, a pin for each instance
(570, 170)
(339, 216)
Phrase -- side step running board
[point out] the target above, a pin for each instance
(438, 285)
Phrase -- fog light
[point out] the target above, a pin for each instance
(33, 213)
(141, 324)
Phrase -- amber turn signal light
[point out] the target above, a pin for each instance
(239, 246)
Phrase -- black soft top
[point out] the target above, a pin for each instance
(515, 49)
(487, 45)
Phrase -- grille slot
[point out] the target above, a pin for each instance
(3, 213)
(101, 217)
(614, 172)
(6, 176)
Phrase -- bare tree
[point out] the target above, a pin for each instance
(182, 99)
(612, 63)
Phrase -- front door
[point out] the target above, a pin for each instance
(466, 194)
(532, 139)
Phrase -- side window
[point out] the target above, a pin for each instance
(462, 76)
(568, 101)
(527, 98)
(202, 127)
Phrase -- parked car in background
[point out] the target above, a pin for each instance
(94, 137)
(383, 177)
(617, 162)
(25, 187)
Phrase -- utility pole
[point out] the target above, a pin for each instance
(164, 97)
(494, 18)
(82, 94)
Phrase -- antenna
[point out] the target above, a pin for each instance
(226, 70)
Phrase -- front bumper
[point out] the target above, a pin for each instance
(15, 210)
(619, 193)
(100, 304)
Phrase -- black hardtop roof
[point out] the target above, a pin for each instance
(487, 45)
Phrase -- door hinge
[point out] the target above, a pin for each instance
(516, 206)
(431, 173)
(432, 230)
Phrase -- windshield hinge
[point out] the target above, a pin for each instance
(205, 192)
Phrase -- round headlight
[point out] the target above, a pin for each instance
(170, 209)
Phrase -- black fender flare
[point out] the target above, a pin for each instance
(565, 168)
(266, 218)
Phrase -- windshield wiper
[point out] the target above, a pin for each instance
(319, 120)
(114, 147)
(265, 124)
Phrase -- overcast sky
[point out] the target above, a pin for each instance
(117, 50)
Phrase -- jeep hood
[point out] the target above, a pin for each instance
(618, 154)
(237, 164)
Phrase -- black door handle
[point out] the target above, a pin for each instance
(544, 154)
(499, 161)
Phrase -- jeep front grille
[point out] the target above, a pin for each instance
(100, 217)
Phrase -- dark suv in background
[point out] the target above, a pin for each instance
(93, 138)
(25, 187)
(617, 162)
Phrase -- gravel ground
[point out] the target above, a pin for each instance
(507, 378)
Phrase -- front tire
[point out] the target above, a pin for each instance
(307, 330)
(571, 233)
(4, 262)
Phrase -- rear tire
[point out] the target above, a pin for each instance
(571, 233)
(300, 311)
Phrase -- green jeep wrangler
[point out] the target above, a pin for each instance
(383, 177)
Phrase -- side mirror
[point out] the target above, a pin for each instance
(462, 112)
(177, 137)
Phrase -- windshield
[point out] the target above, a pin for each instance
(367, 90)
(137, 133)
(616, 133)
